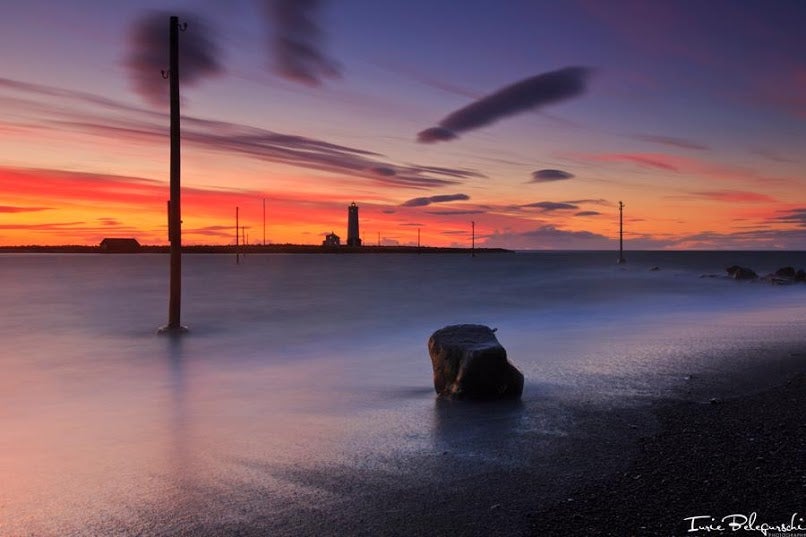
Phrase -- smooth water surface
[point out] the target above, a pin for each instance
(316, 365)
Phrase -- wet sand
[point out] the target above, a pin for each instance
(628, 470)
(551, 464)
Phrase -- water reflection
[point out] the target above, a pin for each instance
(179, 453)
(486, 429)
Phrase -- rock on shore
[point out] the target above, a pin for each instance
(469, 362)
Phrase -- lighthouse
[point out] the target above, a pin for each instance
(353, 238)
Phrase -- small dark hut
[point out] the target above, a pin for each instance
(331, 240)
(119, 246)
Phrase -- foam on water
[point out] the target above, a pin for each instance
(319, 362)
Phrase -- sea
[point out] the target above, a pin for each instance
(301, 402)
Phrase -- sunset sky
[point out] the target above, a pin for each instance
(428, 114)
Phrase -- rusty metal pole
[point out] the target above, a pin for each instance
(175, 204)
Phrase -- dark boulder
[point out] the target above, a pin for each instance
(469, 362)
(785, 272)
(741, 273)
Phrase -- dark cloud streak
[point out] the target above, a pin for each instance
(443, 198)
(524, 95)
(297, 41)
(147, 126)
(148, 55)
(549, 206)
(548, 175)
(455, 213)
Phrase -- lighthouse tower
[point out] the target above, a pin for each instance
(353, 238)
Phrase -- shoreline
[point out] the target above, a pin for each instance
(624, 469)
(255, 249)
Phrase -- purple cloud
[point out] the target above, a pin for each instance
(681, 143)
(793, 216)
(548, 175)
(454, 213)
(384, 171)
(549, 206)
(549, 237)
(526, 94)
(422, 202)
(148, 55)
(297, 41)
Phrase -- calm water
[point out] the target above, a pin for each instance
(302, 368)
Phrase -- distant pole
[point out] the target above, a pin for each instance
(237, 232)
(264, 221)
(379, 238)
(175, 204)
(473, 239)
(621, 233)
(418, 240)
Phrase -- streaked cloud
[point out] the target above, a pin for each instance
(146, 126)
(444, 198)
(148, 55)
(644, 160)
(457, 213)
(521, 96)
(793, 216)
(549, 237)
(681, 143)
(549, 206)
(588, 213)
(691, 166)
(735, 196)
(14, 209)
(773, 155)
(548, 175)
(592, 201)
(297, 42)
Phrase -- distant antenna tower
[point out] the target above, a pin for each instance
(621, 233)
(473, 239)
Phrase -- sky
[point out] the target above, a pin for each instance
(532, 119)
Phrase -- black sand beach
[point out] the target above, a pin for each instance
(624, 471)
(737, 456)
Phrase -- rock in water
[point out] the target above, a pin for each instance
(785, 272)
(469, 362)
(741, 273)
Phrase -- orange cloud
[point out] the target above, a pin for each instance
(736, 196)
(664, 162)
